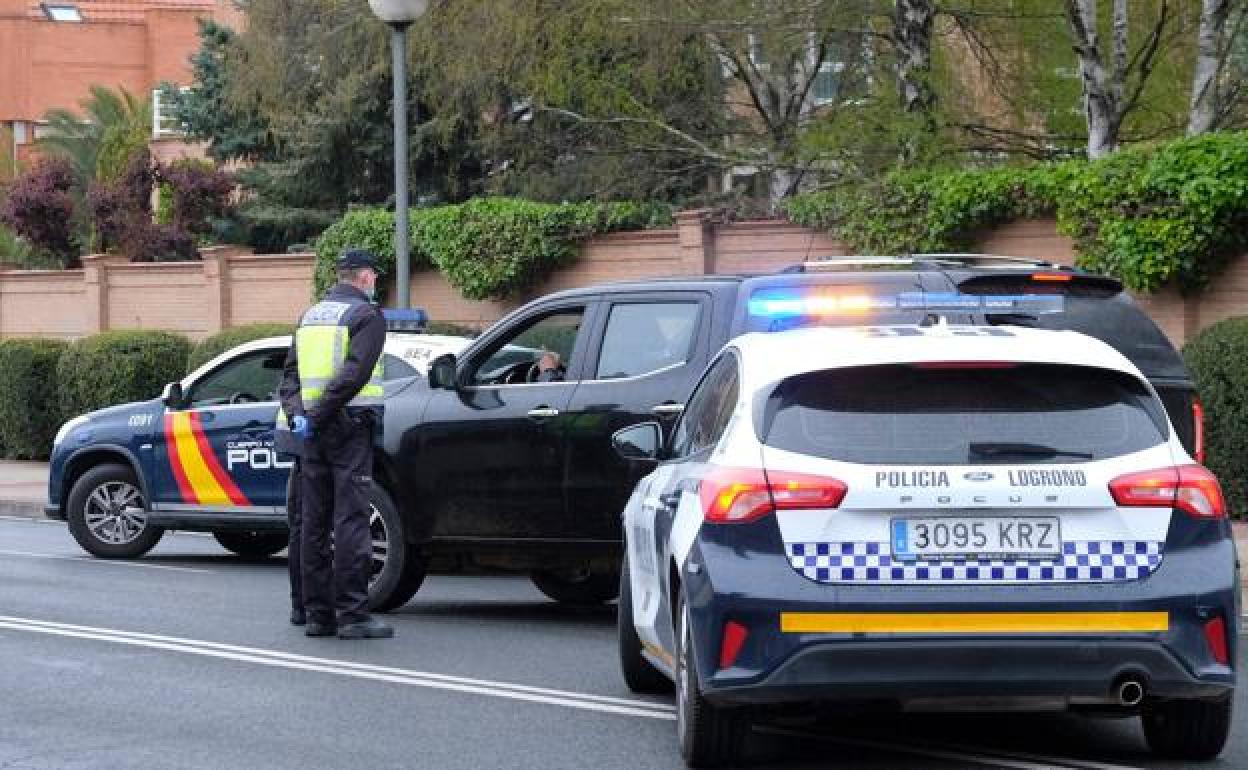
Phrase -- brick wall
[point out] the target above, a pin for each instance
(230, 287)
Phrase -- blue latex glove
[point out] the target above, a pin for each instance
(301, 427)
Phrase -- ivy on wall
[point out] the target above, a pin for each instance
(487, 248)
(1151, 216)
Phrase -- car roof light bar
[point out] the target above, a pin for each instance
(413, 320)
(798, 303)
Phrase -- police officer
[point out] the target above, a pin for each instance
(290, 446)
(337, 354)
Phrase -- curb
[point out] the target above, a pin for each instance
(22, 508)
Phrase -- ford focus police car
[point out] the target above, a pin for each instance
(931, 516)
(202, 456)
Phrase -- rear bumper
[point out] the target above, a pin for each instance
(903, 669)
(810, 641)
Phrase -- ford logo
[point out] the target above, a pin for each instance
(977, 476)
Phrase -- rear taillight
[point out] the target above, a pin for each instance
(731, 643)
(737, 495)
(1215, 637)
(1052, 277)
(1190, 488)
(1198, 430)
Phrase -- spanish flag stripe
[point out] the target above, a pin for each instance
(207, 491)
(224, 480)
(175, 462)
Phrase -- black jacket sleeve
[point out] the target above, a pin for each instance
(366, 335)
(289, 392)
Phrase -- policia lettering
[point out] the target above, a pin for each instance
(322, 343)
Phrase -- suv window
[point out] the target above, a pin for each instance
(912, 414)
(512, 357)
(644, 337)
(709, 409)
(246, 380)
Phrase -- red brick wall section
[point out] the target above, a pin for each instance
(231, 288)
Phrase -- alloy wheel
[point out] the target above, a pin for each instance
(114, 513)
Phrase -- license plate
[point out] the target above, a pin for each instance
(949, 537)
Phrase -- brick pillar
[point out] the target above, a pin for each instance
(216, 290)
(697, 242)
(95, 295)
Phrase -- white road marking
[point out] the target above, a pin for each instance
(1015, 761)
(279, 659)
(103, 562)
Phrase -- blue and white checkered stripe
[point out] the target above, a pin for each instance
(1080, 562)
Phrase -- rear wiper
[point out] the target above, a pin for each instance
(999, 448)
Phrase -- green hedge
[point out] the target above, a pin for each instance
(118, 367)
(1218, 360)
(1153, 215)
(213, 346)
(29, 412)
(488, 248)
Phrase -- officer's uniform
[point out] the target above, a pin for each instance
(337, 355)
(290, 446)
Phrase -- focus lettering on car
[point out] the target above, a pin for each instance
(895, 479)
(1058, 478)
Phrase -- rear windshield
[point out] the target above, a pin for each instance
(907, 414)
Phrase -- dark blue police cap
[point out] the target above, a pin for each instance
(352, 259)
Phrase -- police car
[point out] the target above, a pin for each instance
(202, 457)
(930, 516)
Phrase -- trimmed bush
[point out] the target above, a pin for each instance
(118, 367)
(1218, 360)
(217, 344)
(29, 412)
(488, 248)
(39, 207)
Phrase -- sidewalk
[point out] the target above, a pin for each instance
(23, 488)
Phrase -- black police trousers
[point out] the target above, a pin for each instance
(294, 546)
(337, 471)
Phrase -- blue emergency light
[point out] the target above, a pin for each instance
(413, 320)
(789, 303)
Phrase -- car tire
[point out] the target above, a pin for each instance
(103, 516)
(251, 545)
(398, 566)
(709, 735)
(639, 674)
(1188, 729)
(577, 587)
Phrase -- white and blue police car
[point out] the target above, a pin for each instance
(203, 457)
(927, 516)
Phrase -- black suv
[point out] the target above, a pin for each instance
(492, 466)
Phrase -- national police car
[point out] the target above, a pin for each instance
(201, 457)
(932, 516)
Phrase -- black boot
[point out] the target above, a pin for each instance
(316, 628)
(365, 629)
(298, 617)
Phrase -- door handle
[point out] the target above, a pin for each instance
(667, 409)
(670, 501)
(543, 412)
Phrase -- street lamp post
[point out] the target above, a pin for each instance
(399, 14)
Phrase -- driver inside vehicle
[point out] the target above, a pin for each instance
(550, 368)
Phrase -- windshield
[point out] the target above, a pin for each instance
(942, 414)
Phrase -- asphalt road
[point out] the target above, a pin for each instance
(185, 659)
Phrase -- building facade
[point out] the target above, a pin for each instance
(51, 53)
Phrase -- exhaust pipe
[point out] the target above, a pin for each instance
(1129, 692)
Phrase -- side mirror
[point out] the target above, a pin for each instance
(643, 441)
(172, 395)
(441, 372)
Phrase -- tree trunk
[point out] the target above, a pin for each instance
(1100, 96)
(912, 32)
(1206, 102)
